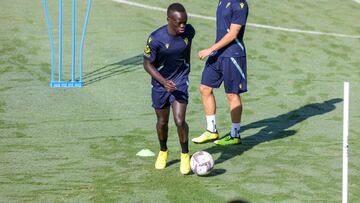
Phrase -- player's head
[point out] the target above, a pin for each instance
(177, 18)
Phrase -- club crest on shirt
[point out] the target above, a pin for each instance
(186, 41)
(228, 4)
(167, 45)
(242, 5)
(147, 51)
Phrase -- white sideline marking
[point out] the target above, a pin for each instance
(249, 24)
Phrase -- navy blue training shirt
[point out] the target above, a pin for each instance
(169, 54)
(231, 12)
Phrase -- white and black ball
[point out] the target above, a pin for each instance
(201, 163)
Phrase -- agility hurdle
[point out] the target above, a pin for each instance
(60, 82)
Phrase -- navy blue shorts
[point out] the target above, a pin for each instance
(231, 70)
(163, 99)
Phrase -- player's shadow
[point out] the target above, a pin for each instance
(172, 162)
(272, 129)
(121, 67)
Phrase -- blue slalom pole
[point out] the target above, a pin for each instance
(74, 82)
(82, 39)
(51, 42)
(73, 40)
(60, 39)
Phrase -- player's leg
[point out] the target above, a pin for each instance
(211, 78)
(236, 108)
(160, 102)
(208, 100)
(179, 111)
(162, 116)
(234, 83)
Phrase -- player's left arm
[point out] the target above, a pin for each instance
(192, 33)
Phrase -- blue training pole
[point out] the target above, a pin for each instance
(82, 39)
(73, 82)
(51, 42)
(60, 39)
(73, 40)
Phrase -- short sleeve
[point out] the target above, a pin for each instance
(150, 49)
(239, 13)
(190, 30)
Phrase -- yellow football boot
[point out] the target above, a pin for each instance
(161, 160)
(206, 136)
(185, 163)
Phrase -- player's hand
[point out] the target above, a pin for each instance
(204, 53)
(170, 86)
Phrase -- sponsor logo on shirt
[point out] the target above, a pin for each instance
(147, 49)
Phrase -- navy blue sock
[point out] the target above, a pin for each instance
(163, 146)
(184, 147)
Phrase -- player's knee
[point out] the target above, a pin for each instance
(180, 122)
(234, 99)
(162, 123)
(205, 90)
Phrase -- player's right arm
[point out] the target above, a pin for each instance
(238, 19)
(149, 58)
(227, 39)
(168, 84)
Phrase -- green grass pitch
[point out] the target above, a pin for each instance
(79, 145)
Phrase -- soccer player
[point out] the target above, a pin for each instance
(167, 60)
(226, 63)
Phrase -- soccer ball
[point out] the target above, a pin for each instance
(201, 163)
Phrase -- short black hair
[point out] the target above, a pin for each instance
(175, 7)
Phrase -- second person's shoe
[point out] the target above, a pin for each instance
(205, 137)
(228, 140)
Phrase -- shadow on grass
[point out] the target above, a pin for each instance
(215, 172)
(172, 162)
(121, 67)
(272, 129)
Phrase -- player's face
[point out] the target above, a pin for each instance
(177, 21)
